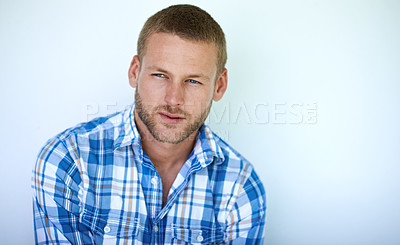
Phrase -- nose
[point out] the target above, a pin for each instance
(174, 94)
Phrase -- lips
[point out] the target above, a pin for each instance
(171, 118)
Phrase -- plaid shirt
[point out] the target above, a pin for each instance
(94, 184)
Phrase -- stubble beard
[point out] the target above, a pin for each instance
(174, 136)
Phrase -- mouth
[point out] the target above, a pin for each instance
(171, 118)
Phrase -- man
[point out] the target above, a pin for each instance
(154, 173)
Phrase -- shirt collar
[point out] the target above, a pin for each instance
(206, 147)
(126, 133)
(205, 150)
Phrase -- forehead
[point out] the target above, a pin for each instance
(164, 49)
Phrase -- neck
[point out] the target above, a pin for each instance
(164, 155)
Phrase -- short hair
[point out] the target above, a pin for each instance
(188, 22)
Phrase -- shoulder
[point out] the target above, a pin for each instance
(63, 149)
(106, 128)
(233, 161)
(238, 173)
(98, 128)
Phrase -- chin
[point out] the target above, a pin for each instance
(173, 135)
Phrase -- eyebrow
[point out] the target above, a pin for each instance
(158, 69)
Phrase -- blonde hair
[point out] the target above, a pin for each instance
(188, 22)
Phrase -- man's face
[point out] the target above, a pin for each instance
(175, 83)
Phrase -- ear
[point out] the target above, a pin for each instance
(133, 72)
(221, 85)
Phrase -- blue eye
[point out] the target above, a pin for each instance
(159, 75)
(193, 81)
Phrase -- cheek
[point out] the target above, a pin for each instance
(199, 99)
(149, 91)
(208, 95)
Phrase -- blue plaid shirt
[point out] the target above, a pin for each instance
(94, 184)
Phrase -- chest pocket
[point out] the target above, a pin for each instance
(111, 230)
(197, 236)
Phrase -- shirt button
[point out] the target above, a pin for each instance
(107, 229)
(200, 238)
(154, 181)
(155, 228)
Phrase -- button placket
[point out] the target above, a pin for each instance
(154, 181)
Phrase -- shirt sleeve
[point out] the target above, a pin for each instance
(246, 219)
(56, 204)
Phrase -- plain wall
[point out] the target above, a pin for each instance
(312, 102)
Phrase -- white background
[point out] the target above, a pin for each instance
(312, 102)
